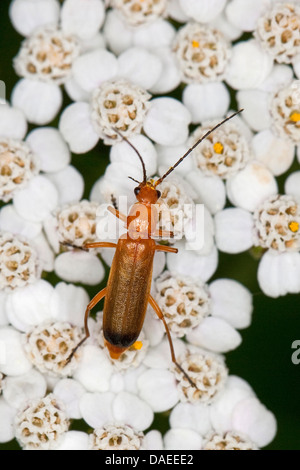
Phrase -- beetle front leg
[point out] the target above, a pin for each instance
(91, 305)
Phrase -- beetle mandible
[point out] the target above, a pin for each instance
(127, 292)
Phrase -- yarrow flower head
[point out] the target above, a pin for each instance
(138, 12)
(278, 31)
(202, 53)
(277, 224)
(42, 424)
(49, 346)
(223, 153)
(207, 371)
(116, 437)
(47, 55)
(19, 262)
(183, 301)
(118, 105)
(18, 164)
(285, 112)
(228, 441)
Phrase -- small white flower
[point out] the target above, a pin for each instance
(135, 12)
(112, 437)
(278, 31)
(41, 424)
(202, 53)
(228, 441)
(55, 39)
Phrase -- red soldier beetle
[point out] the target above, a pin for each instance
(127, 293)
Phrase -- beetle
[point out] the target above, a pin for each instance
(127, 292)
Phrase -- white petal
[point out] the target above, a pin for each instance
(128, 408)
(77, 129)
(232, 302)
(122, 152)
(3, 317)
(249, 65)
(215, 335)
(159, 357)
(93, 68)
(245, 13)
(291, 186)
(13, 360)
(158, 388)
(118, 35)
(167, 121)
(23, 388)
(187, 262)
(140, 66)
(230, 31)
(48, 144)
(206, 102)
(27, 15)
(7, 418)
(68, 303)
(79, 267)
(280, 77)
(95, 42)
(234, 230)
(182, 439)
(296, 65)
(170, 76)
(45, 253)
(39, 101)
(93, 361)
(196, 418)
(11, 221)
(222, 409)
(153, 440)
(279, 273)
(153, 328)
(251, 186)
(74, 440)
(29, 306)
(256, 108)
(169, 155)
(276, 153)
(37, 200)
(82, 18)
(175, 12)
(12, 122)
(96, 408)
(69, 183)
(252, 418)
(210, 190)
(69, 392)
(75, 92)
(204, 11)
(159, 33)
(159, 264)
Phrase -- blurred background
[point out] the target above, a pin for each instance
(264, 357)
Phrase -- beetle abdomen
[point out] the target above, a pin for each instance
(128, 290)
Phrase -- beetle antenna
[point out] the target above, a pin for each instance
(138, 154)
(130, 177)
(194, 146)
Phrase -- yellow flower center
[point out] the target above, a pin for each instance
(295, 116)
(218, 147)
(137, 345)
(294, 226)
(195, 44)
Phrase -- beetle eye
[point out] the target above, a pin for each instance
(158, 194)
(137, 190)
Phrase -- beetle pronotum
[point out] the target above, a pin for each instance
(127, 293)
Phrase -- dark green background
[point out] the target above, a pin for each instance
(264, 358)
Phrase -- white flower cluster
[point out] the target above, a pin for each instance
(130, 74)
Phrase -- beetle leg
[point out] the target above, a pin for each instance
(168, 249)
(160, 315)
(99, 245)
(117, 214)
(92, 304)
